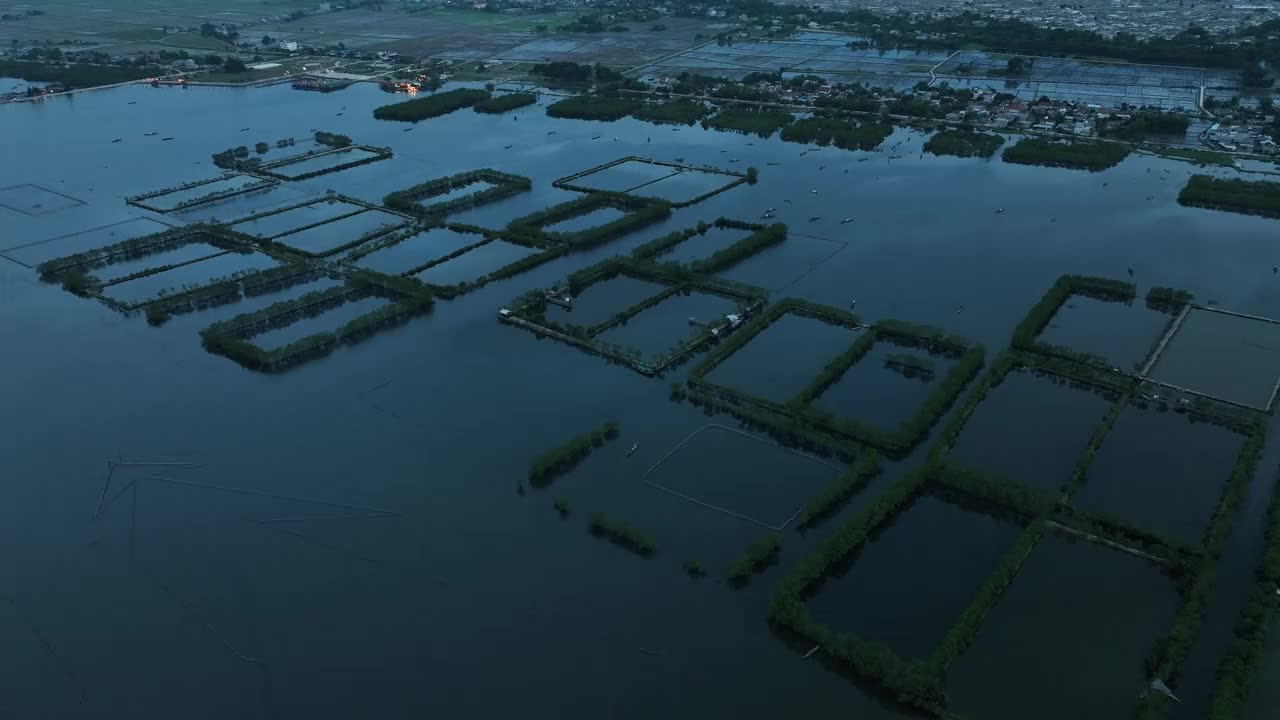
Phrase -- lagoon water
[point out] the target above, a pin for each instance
(186, 598)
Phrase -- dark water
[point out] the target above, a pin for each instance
(624, 176)
(40, 251)
(1030, 430)
(171, 256)
(328, 321)
(326, 237)
(1130, 329)
(323, 162)
(170, 200)
(1161, 472)
(1069, 637)
(908, 585)
(242, 205)
(586, 221)
(294, 218)
(602, 300)
(782, 359)
(743, 474)
(437, 419)
(685, 186)
(704, 245)
(880, 395)
(416, 250)
(475, 264)
(1226, 356)
(187, 276)
(665, 326)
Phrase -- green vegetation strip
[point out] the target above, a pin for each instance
(504, 103)
(621, 534)
(963, 143)
(843, 133)
(800, 410)
(830, 499)
(758, 122)
(74, 74)
(593, 107)
(1083, 155)
(1251, 197)
(1239, 668)
(411, 200)
(555, 462)
(759, 555)
(441, 103)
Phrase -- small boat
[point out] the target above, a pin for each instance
(133, 102)
(407, 129)
(633, 449)
(815, 217)
(596, 137)
(553, 132)
(118, 140)
(508, 147)
(165, 139)
(846, 221)
(150, 134)
(999, 211)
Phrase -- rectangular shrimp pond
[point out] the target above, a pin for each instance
(1223, 355)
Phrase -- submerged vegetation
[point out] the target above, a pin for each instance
(547, 466)
(759, 555)
(1079, 154)
(1251, 197)
(621, 534)
(963, 143)
(441, 103)
(416, 200)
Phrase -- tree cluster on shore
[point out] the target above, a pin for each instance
(1077, 154)
(844, 133)
(1250, 197)
(963, 143)
(434, 105)
(763, 123)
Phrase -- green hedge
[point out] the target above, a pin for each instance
(741, 250)
(441, 103)
(1251, 197)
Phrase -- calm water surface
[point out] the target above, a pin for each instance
(234, 605)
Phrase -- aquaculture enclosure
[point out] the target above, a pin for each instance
(32, 254)
(671, 314)
(1222, 355)
(679, 185)
(30, 199)
(1032, 428)
(770, 367)
(1162, 472)
(199, 192)
(330, 161)
(291, 332)
(1068, 639)
(407, 252)
(1119, 333)
(346, 231)
(292, 218)
(909, 583)
(457, 192)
